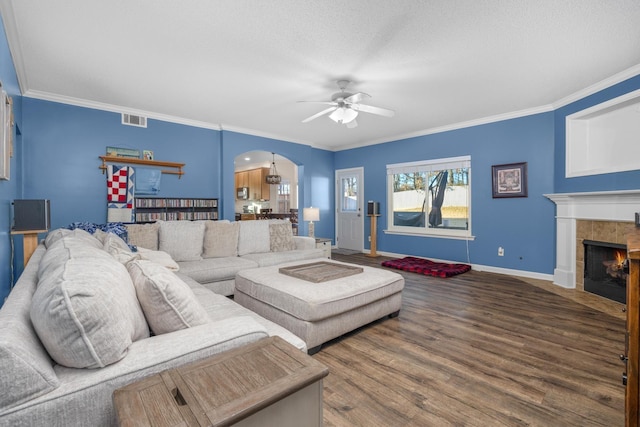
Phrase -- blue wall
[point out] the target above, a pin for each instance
(523, 226)
(604, 182)
(61, 148)
(12, 189)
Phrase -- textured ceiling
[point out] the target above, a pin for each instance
(242, 65)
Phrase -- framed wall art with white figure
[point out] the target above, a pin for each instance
(509, 180)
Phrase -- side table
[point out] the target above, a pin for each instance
(266, 383)
(325, 245)
(30, 242)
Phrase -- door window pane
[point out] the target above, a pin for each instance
(349, 199)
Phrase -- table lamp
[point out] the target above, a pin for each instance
(311, 214)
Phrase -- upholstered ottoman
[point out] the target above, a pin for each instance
(319, 312)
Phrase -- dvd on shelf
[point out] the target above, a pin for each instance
(150, 209)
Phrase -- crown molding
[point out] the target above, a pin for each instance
(455, 126)
(277, 137)
(597, 87)
(6, 10)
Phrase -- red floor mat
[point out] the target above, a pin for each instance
(426, 266)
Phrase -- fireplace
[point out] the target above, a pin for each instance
(598, 215)
(604, 269)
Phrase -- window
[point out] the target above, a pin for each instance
(284, 196)
(431, 197)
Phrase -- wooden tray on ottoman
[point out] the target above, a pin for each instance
(322, 271)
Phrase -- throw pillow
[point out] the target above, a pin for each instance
(220, 239)
(144, 235)
(168, 303)
(85, 310)
(78, 235)
(159, 257)
(281, 237)
(182, 240)
(253, 237)
(118, 249)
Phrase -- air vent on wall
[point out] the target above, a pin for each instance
(131, 120)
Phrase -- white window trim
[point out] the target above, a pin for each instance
(427, 166)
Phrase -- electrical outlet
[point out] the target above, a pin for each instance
(500, 251)
(369, 238)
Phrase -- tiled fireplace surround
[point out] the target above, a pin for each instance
(603, 216)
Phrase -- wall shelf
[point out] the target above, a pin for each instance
(175, 168)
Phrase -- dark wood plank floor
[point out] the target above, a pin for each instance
(478, 349)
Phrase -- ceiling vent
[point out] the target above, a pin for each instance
(131, 120)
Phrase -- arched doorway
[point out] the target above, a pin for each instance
(252, 194)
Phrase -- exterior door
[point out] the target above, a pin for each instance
(349, 209)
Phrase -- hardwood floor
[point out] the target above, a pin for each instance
(478, 349)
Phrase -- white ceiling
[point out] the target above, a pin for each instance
(242, 65)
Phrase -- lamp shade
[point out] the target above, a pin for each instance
(311, 214)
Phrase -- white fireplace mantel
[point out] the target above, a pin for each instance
(598, 206)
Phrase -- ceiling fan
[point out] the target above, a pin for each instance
(345, 107)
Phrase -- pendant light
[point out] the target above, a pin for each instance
(273, 178)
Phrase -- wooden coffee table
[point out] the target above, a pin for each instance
(268, 382)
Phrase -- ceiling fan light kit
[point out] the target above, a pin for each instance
(346, 106)
(343, 115)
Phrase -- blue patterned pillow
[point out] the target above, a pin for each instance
(117, 228)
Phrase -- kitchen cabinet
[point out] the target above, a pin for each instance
(255, 180)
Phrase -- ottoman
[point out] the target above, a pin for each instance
(319, 312)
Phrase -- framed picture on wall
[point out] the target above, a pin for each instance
(509, 180)
(5, 136)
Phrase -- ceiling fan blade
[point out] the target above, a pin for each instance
(373, 110)
(321, 102)
(356, 97)
(352, 124)
(321, 113)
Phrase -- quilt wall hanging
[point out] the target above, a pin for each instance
(120, 193)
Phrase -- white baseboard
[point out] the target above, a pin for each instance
(480, 267)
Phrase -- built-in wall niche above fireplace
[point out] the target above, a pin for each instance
(605, 273)
(604, 138)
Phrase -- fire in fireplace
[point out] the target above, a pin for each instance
(604, 270)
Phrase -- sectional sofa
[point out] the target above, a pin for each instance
(212, 252)
(89, 315)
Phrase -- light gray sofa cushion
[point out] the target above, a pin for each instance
(220, 239)
(76, 236)
(118, 248)
(85, 310)
(144, 235)
(219, 307)
(168, 303)
(254, 237)
(26, 370)
(182, 240)
(215, 269)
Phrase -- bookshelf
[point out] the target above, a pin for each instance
(150, 209)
